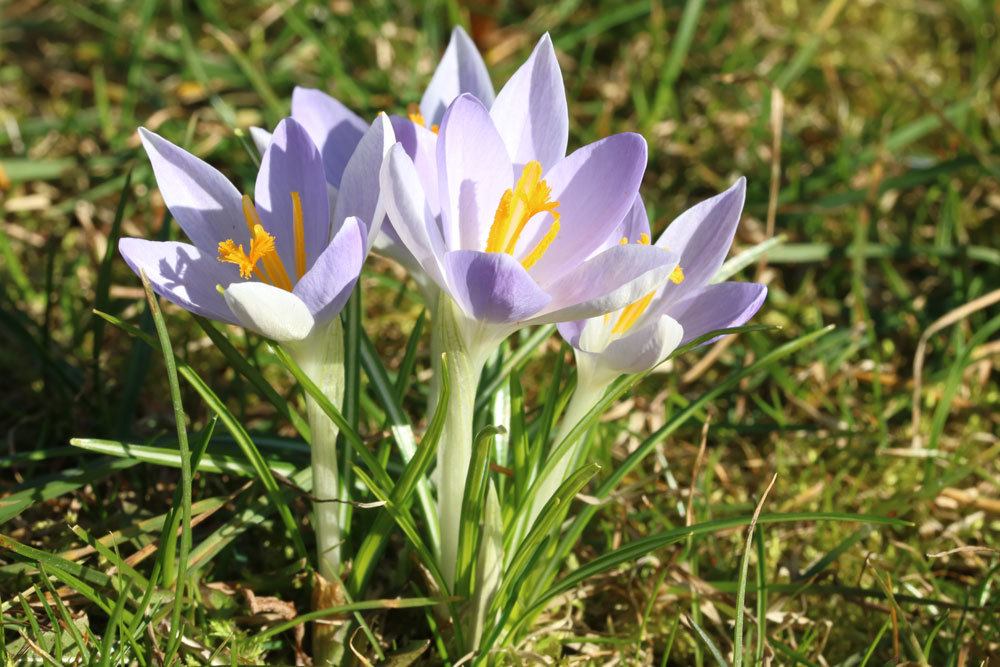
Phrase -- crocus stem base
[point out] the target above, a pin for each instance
(321, 357)
(590, 386)
(466, 346)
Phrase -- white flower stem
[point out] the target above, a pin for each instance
(321, 357)
(591, 383)
(465, 354)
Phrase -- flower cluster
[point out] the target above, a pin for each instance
(501, 229)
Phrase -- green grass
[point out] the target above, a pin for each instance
(887, 199)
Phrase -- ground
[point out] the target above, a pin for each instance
(868, 133)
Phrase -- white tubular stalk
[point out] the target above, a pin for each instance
(321, 357)
(465, 345)
(591, 383)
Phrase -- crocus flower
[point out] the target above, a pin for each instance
(682, 308)
(273, 263)
(514, 244)
(530, 113)
(678, 310)
(277, 263)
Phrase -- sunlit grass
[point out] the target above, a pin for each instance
(887, 198)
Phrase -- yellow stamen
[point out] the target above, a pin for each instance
(631, 313)
(543, 245)
(273, 268)
(417, 118)
(529, 197)
(300, 235)
(261, 245)
(643, 239)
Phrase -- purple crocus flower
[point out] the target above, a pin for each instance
(682, 308)
(275, 263)
(530, 114)
(514, 243)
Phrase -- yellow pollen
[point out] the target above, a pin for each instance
(677, 275)
(643, 239)
(300, 235)
(261, 245)
(417, 118)
(529, 197)
(270, 269)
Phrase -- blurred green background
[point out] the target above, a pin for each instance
(868, 132)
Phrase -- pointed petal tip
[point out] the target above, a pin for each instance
(740, 185)
(466, 98)
(151, 140)
(288, 126)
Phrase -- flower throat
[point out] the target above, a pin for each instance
(271, 269)
(529, 197)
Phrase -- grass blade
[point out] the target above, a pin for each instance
(741, 591)
(476, 483)
(235, 429)
(413, 474)
(180, 423)
(240, 364)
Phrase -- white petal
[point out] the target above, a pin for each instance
(270, 311)
(261, 139)
(411, 219)
(642, 348)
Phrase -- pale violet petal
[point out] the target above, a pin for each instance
(290, 164)
(359, 194)
(411, 219)
(182, 274)
(702, 236)
(421, 145)
(635, 223)
(474, 171)
(530, 111)
(607, 282)
(335, 129)
(595, 187)
(493, 287)
(719, 306)
(205, 204)
(327, 285)
(461, 70)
